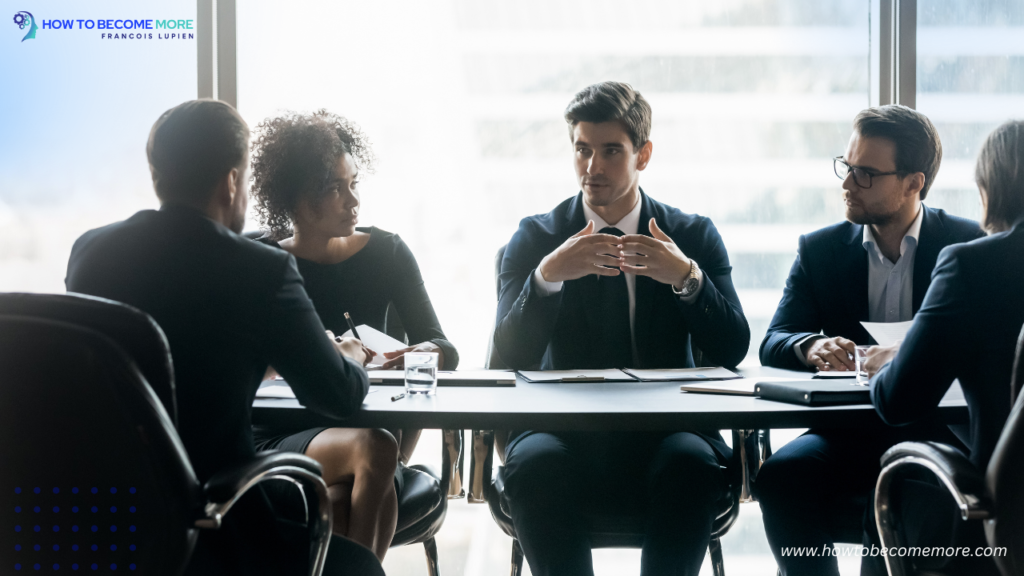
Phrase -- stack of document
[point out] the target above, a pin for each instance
(628, 375)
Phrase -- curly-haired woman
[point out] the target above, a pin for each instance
(305, 172)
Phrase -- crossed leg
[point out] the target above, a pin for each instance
(359, 468)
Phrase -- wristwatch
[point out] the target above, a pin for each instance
(691, 283)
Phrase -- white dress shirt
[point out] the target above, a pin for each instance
(628, 224)
(890, 285)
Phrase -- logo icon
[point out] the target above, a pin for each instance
(23, 19)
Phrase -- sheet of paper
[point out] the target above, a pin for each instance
(677, 374)
(275, 391)
(888, 333)
(576, 376)
(377, 341)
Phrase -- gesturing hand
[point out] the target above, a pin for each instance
(582, 254)
(658, 257)
(396, 359)
(831, 354)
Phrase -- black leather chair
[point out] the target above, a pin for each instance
(995, 497)
(423, 500)
(750, 449)
(87, 442)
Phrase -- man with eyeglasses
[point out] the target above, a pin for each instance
(874, 267)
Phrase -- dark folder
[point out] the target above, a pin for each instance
(813, 392)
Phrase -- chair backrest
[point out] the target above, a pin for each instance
(132, 329)
(92, 467)
(1005, 477)
(494, 361)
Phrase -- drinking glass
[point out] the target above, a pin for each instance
(859, 357)
(421, 373)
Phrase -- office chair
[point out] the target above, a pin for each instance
(994, 497)
(750, 449)
(87, 443)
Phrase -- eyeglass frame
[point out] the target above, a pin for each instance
(850, 170)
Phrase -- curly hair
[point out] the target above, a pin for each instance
(293, 157)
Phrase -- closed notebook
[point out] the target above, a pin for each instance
(813, 393)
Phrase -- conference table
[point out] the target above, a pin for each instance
(590, 406)
(639, 406)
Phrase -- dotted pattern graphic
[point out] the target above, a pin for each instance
(77, 528)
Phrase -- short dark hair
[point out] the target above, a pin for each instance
(918, 148)
(612, 101)
(193, 145)
(293, 158)
(1000, 173)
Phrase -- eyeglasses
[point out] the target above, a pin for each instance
(860, 176)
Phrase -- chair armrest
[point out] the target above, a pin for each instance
(228, 484)
(963, 480)
(960, 477)
(225, 488)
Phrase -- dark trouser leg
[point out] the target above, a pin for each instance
(542, 485)
(812, 493)
(685, 483)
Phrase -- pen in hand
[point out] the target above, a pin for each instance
(352, 326)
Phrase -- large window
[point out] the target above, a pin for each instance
(75, 111)
(970, 79)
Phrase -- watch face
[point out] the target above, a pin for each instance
(690, 286)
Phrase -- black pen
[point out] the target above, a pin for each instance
(352, 326)
(397, 398)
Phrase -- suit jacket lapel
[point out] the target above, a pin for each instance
(853, 261)
(930, 242)
(645, 288)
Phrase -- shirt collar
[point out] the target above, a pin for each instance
(628, 224)
(913, 232)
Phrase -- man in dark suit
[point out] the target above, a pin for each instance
(874, 267)
(230, 308)
(612, 278)
(966, 330)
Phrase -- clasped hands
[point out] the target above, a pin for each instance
(836, 355)
(586, 253)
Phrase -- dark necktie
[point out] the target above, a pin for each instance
(613, 299)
